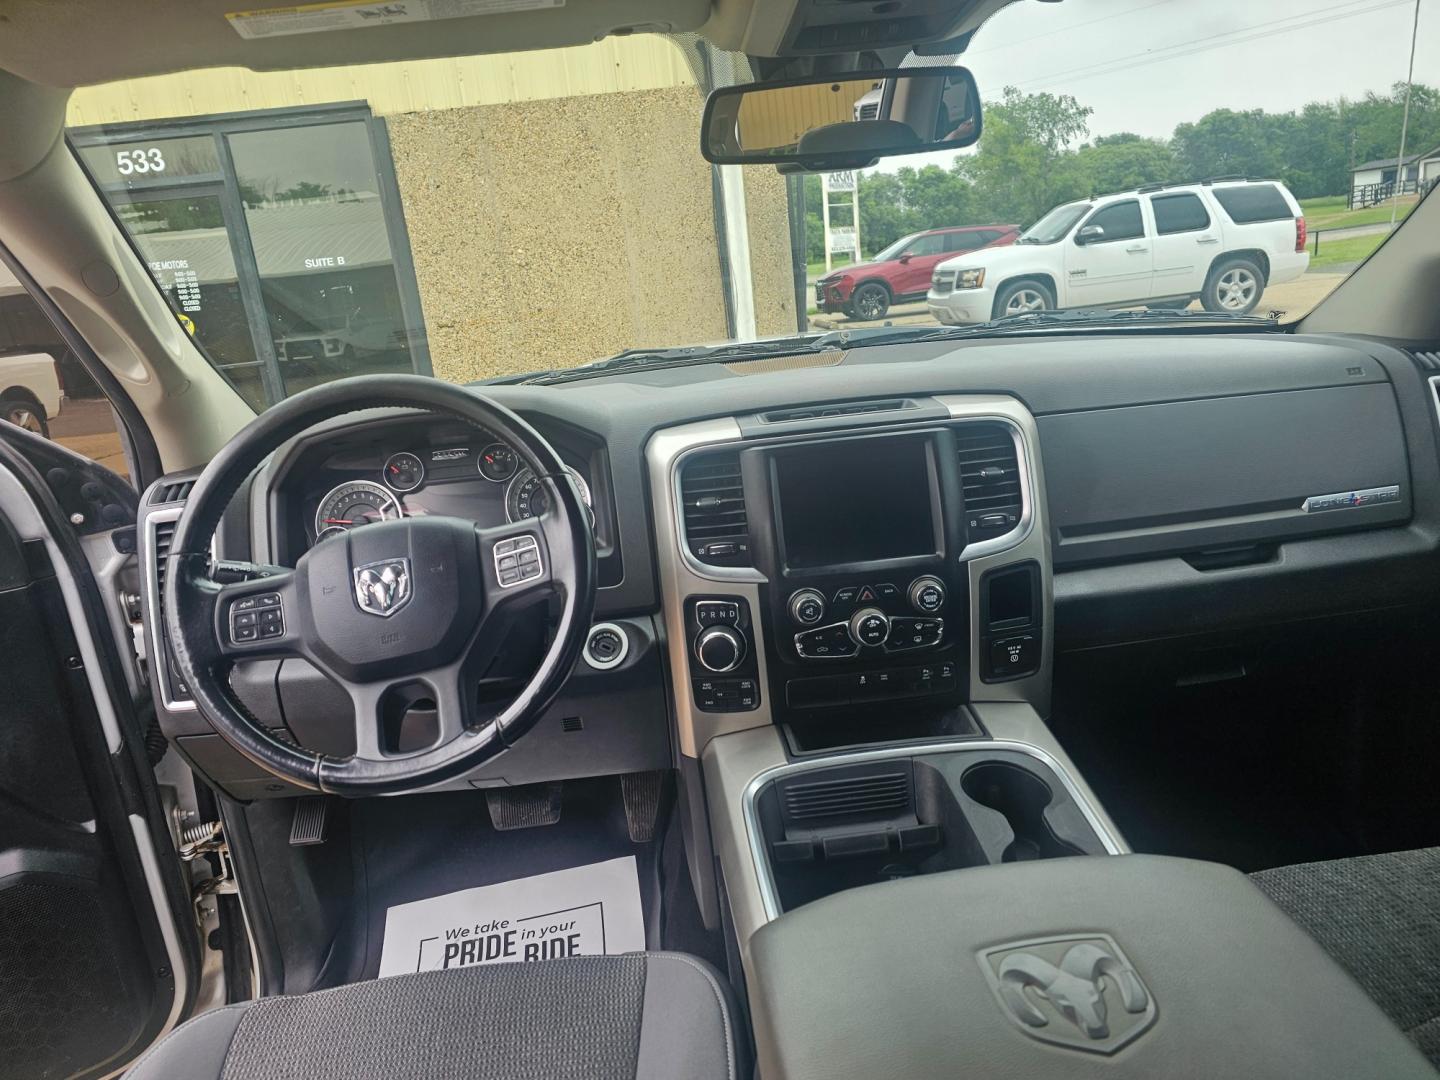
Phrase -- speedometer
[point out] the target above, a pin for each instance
(354, 504)
(526, 496)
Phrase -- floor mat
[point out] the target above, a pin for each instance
(424, 846)
(589, 910)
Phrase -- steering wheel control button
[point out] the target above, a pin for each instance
(606, 647)
(827, 643)
(927, 595)
(517, 560)
(914, 634)
(1013, 657)
(869, 626)
(254, 618)
(807, 607)
(720, 649)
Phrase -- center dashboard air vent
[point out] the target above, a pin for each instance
(990, 473)
(713, 498)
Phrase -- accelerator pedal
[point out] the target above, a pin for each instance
(526, 807)
(643, 793)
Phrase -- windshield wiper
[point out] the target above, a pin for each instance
(1047, 320)
(686, 355)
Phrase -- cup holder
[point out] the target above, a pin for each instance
(1021, 798)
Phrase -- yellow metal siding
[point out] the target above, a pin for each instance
(645, 62)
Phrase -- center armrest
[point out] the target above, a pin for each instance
(1118, 966)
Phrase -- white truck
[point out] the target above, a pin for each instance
(1163, 245)
(30, 389)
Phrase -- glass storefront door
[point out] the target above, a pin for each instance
(277, 237)
(184, 239)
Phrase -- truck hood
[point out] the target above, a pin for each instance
(996, 257)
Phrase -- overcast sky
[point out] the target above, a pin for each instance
(1147, 65)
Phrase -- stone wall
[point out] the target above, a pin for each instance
(548, 233)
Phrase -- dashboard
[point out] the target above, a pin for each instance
(864, 549)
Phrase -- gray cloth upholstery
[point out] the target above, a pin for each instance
(645, 1016)
(1379, 916)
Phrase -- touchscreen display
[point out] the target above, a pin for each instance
(858, 501)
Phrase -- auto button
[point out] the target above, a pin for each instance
(869, 626)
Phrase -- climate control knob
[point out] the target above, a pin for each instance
(720, 649)
(927, 594)
(869, 626)
(807, 606)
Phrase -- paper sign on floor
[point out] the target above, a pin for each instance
(583, 911)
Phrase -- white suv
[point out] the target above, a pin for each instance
(1163, 245)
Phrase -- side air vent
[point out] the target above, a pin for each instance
(991, 477)
(171, 491)
(876, 795)
(716, 531)
(848, 408)
(1428, 362)
(164, 533)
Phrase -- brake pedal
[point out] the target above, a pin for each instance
(526, 807)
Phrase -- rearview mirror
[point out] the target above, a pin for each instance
(827, 122)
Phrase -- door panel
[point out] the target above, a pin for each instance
(924, 255)
(91, 972)
(1115, 269)
(1186, 239)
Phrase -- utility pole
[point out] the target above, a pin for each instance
(1405, 121)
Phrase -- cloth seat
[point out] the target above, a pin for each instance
(642, 1016)
(1379, 916)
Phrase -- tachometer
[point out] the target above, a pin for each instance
(403, 472)
(526, 496)
(354, 504)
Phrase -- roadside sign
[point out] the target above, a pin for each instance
(840, 181)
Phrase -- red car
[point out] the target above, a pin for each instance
(902, 271)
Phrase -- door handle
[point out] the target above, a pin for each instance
(1208, 240)
(1137, 248)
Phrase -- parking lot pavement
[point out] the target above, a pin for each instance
(1293, 297)
(87, 426)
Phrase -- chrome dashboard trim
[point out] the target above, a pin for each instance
(769, 897)
(159, 657)
(683, 576)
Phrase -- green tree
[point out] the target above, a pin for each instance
(1123, 161)
(1023, 164)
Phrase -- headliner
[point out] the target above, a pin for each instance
(67, 43)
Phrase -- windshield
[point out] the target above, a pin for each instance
(1054, 225)
(490, 216)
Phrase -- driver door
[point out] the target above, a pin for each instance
(99, 941)
(1115, 268)
(918, 263)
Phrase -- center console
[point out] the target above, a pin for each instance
(853, 575)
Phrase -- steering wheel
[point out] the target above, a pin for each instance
(394, 612)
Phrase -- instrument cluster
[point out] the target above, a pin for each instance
(489, 485)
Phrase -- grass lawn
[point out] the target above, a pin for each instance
(1330, 213)
(1351, 250)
